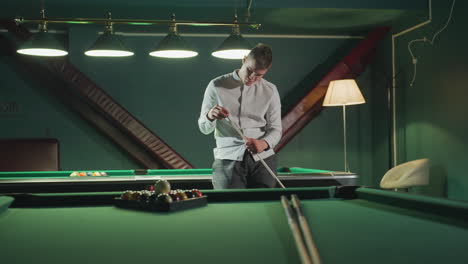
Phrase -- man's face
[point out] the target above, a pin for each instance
(249, 73)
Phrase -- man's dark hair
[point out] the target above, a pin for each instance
(263, 55)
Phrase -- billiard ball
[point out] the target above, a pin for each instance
(174, 196)
(144, 196)
(182, 195)
(189, 194)
(152, 198)
(162, 186)
(197, 193)
(164, 198)
(126, 195)
(134, 196)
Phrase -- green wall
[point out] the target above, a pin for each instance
(166, 96)
(432, 114)
(38, 114)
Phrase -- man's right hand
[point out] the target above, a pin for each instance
(217, 112)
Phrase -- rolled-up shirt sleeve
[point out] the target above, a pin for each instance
(210, 99)
(273, 127)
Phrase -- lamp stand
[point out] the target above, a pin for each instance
(344, 139)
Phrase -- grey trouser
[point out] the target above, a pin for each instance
(233, 174)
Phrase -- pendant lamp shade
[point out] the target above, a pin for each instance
(173, 46)
(43, 44)
(108, 45)
(234, 47)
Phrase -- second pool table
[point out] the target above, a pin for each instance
(120, 180)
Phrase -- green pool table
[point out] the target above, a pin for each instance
(120, 180)
(348, 224)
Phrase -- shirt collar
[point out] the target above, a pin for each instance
(235, 75)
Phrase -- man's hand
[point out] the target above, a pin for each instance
(217, 112)
(256, 145)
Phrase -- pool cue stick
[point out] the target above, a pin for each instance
(313, 251)
(256, 154)
(295, 230)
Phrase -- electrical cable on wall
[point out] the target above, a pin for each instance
(424, 39)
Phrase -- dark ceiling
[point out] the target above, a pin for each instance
(276, 16)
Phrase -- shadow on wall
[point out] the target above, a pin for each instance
(312, 78)
(437, 183)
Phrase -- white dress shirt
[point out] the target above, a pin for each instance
(255, 109)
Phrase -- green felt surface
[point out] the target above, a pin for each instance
(60, 174)
(5, 202)
(368, 232)
(210, 171)
(227, 231)
(372, 229)
(406, 198)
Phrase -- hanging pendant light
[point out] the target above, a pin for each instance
(108, 45)
(173, 45)
(234, 47)
(43, 43)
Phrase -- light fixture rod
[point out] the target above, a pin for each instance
(135, 22)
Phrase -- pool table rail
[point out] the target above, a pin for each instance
(43, 182)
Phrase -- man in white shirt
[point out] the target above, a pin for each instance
(253, 104)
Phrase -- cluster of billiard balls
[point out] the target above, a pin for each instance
(89, 173)
(161, 194)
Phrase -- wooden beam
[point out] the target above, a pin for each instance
(33, 70)
(111, 112)
(310, 105)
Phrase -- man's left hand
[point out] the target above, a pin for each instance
(256, 145)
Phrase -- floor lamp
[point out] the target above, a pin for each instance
(343, 93)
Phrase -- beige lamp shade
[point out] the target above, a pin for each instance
(343, 92)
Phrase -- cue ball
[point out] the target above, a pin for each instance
(162, 186)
